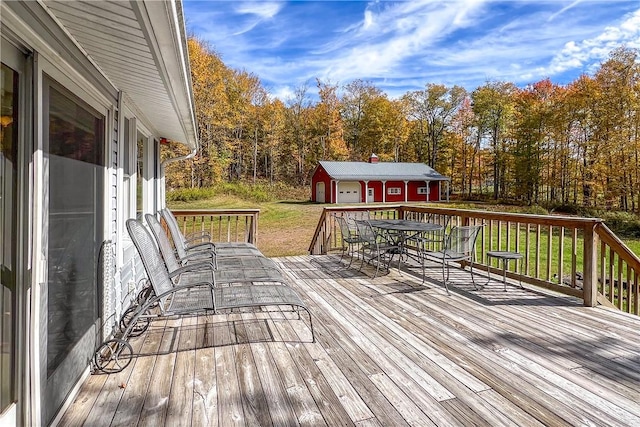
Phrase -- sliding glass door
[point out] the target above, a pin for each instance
(74, 135)
(9, 120)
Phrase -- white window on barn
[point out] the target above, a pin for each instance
(394, 190)
(423, 190)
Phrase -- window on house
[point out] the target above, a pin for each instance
(128, 172)
(394, 190)
(422, 190)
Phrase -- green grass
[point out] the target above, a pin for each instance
(288, 220)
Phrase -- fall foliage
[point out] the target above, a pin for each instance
(574, 144)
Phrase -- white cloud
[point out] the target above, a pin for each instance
(263, 10)
(407, 44)
(564, 9)
(586, 53)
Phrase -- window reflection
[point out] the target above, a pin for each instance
(76, 161)
(8, 221)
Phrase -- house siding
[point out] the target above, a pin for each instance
(377, 190)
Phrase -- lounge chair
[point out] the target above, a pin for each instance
(252, 267)
(186, 298)
(188, 245)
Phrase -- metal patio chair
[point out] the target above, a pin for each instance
(189, 297)
(430, 241)
(376, 246)
(459, 246)
(350, 239)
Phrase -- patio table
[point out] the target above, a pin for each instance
(398, 231)
(505, 256)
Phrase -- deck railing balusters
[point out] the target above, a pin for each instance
(224, 225)
(549, 252)
(597, 262)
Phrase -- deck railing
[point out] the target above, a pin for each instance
(575, 256)
(224, 225)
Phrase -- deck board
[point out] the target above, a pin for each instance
(389, 351)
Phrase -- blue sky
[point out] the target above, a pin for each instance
(402, 46)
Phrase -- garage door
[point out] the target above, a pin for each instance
(349, 192)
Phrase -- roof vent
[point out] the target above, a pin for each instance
(373, 158)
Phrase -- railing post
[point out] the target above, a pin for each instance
(254, 229)
(326, 243)
(590, 279)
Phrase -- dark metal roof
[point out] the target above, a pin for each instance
(382, 171)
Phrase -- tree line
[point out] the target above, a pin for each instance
(573, 144)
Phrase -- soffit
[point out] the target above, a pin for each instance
(140, 47)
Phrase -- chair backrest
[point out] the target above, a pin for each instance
(352, 216)
(344, 227)
(462, 239)
(174, 230)
(166, 249)
(443, 220)
(152, 261)
(366, 233)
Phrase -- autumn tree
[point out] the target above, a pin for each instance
(356, 101)
(493, 109)
(431, 111)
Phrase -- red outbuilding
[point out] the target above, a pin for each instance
(377, 182)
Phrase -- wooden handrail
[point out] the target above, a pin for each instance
(552, 245)
(619, 271)
(609, 237)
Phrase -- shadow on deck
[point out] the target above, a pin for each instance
(390, 351)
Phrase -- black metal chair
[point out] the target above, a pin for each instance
(459, 246)
(376, 246)
(350, 239)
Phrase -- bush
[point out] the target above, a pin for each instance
(624, 224)
(189, 194)
(257, 193)
(534, 210)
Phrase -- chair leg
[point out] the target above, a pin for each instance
(472, 278)
(504, 273)
(377, 266)
(422, 257)
(445, 277)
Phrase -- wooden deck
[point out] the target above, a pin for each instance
(390, 351)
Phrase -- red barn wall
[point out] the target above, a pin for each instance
(377, 190)
(434, 192)
(413, 196)
(394, 197)
(320, 175)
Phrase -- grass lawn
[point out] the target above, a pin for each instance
(286, 227)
